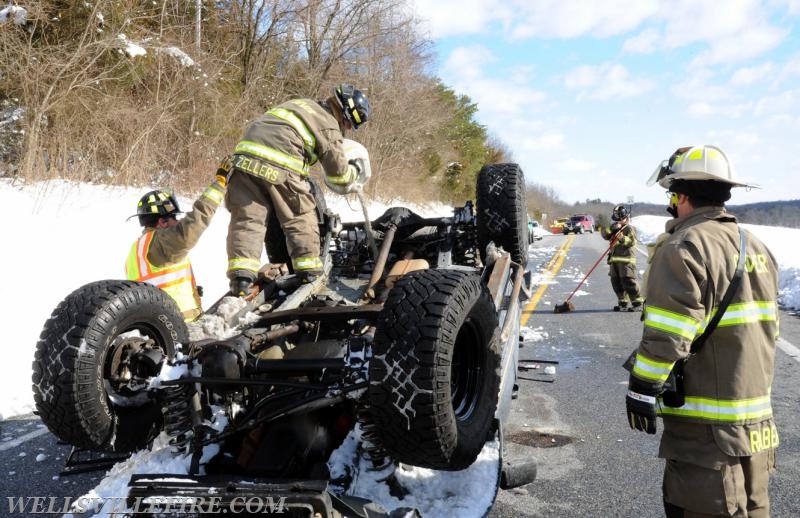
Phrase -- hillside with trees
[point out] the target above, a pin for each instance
(136, 93)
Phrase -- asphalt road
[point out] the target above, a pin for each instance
(573, 423)
(590, 463)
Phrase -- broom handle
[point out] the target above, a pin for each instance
(611, 244)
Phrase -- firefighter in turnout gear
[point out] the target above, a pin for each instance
(161, 254)
(719, 436)
(270, 174)
(622, 260)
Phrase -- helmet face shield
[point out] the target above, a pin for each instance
(661, 172)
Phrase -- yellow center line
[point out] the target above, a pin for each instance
(549, 273)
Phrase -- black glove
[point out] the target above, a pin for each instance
(640, 403)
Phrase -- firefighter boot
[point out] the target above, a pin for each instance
(241, 286)
(622, 305)
(308, 276)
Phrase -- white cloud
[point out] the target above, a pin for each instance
(737, 141)
(560, 19)
(697, 85)
(792, 6)
(544, 142)
(748, 44)
(522, 19)
(729, 111)
(782, 120)
(452, 18)
(467, 70)
(605, 81)
(790, 70)
(700, 109)
(749, 75)
(783, 103)
(469, 62)
(646, 42)
(574, 165)
(731, 31)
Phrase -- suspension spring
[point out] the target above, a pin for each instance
(371, 441)
(178, 418)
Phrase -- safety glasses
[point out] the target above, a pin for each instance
(673, 198)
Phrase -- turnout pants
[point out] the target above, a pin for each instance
(623, 281)
(250, 200)
(738, 488)
(711, 471)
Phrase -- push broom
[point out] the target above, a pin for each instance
(568, 306)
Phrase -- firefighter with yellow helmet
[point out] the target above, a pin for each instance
(161, 254)
(719, 436)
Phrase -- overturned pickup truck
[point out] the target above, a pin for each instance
(411, 335)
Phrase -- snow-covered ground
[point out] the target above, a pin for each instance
(62, 235)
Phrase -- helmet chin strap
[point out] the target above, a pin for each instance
(673, 211)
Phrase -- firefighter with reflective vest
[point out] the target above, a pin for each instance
(622, 260)
(161, 254)
(271, 164)
(719, 436)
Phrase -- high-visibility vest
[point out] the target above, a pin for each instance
(177, 279)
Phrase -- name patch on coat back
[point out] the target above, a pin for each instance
(764, 438)
(754, 262)
(258, 168)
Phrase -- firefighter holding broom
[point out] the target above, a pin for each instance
(622, 260)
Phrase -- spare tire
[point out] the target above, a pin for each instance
(94, 359)
(502, 215)
(435, 370)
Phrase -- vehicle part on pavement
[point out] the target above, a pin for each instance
(568, 306)
(94, 360)
(502, 210)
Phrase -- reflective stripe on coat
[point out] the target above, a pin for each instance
(729, 380)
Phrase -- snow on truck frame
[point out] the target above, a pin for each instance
(411, 334)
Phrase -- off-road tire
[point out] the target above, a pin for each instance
(435, 370)
(502, 210)
(73, 356)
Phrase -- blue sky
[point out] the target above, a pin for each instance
(590, 96)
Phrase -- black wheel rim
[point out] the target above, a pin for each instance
(123, 389)
(466, 371)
